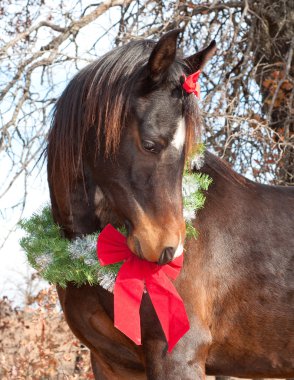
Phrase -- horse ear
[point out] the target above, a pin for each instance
(163, 54)
(197, 61)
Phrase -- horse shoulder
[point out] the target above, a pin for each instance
(113, 355)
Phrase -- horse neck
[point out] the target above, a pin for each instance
(228, 189)
(222, 174)
(234, 200)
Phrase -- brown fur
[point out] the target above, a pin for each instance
(237, 284)
(237, 281)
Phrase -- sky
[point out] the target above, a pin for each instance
(14, 269)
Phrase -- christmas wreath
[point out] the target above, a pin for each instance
(60, 261)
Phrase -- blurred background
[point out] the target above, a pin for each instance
(248, 119)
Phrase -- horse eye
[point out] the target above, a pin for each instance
(151, 146)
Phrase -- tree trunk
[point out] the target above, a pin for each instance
(272, 28)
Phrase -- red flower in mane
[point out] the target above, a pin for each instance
(191, 84)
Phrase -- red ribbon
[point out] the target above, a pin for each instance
(134, 277)
(191, 84)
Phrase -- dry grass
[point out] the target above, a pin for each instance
(36, 343)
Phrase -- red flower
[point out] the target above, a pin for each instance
(191, 84)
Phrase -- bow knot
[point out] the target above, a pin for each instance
(136, 276)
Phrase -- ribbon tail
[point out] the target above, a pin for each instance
(169, 308)
(128, 291)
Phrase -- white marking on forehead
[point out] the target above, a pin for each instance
(178, 140)
(179, 250)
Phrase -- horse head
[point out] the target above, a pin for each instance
(135, 112)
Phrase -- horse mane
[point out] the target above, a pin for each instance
(99, 97)
(214, 164)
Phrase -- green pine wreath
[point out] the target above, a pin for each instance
(60, 261)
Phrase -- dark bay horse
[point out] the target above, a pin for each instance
(122, 131)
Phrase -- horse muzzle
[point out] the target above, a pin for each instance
(160, 244)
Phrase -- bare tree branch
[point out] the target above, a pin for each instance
(248, 88)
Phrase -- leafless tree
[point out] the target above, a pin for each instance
(247, 90)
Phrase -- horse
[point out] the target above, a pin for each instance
(121, 133)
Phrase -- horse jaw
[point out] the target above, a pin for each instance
(103, 211)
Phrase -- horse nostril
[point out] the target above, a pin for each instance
(166, 255)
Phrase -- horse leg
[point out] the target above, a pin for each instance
(96, 368)
(184, 362)
(188, 357)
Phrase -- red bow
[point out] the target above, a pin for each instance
(133, 278)
(191, 84)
